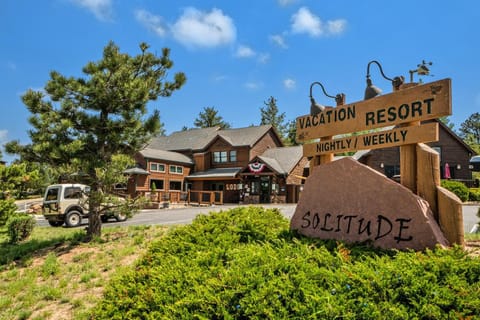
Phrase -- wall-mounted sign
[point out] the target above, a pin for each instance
(376, 140)
(422, 102)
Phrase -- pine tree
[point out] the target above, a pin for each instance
(270, 115)
(90, 119)
(209, 118)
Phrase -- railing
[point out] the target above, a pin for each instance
(205, 197)
(196, 197)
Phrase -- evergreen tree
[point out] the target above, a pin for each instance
(446, 120)
(291, 133)
(470, 128)
(209, 118)
(90, 119)
(270, 115)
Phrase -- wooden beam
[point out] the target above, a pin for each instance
(376, 140)
(450, 216)
(428, 175)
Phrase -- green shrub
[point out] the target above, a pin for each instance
(247, 264)
(456, 187)
(474, 194)
(20, 227)
(7, 209)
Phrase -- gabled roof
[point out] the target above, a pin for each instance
(244, 136)
(165, 156)
(199, 139)
(286, 157)
(456, 137)
(281, 160)
(192, 139)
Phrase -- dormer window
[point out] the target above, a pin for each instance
(220, 157)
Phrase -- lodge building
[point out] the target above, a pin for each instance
(248, 165)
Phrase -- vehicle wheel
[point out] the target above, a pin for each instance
(120, 217)
(55, 223)
(104, 218)
(73, 219)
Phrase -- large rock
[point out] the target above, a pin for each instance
(346, 200)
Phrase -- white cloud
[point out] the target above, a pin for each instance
(304, 21)
(253, 85)
(3, 136)
(284, 3)
(279, 41)
(289, 84)
(245, 52)
(263, 58)
(102, 9)
(204, 29)
(151, 22)
(336, 26)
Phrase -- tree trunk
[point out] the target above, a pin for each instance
(94, 225)
(94, 229)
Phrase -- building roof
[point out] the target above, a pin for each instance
(192, 139)
(165, 156)
(283, 160)
(199, 139)
(216, 173)
(244, 136)
(136, 170)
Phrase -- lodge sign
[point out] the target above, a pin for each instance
(422, 102)
(376, 140)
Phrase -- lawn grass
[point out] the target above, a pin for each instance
(55, 275)
(246, 264)
(243, 263)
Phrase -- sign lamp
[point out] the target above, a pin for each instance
(316, 108)
(372, 91)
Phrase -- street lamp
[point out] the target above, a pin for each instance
(372, 91)
(316, 108)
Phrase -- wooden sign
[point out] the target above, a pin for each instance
(380, 139)
(418, 103)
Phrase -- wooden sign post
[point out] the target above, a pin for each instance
(392, 120)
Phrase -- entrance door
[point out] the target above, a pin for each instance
(265, 188)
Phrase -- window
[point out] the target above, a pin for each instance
(220, 156)
(72, 193)
(156, 184)
(176, 185)
(233, 156)
(52, 194)
(176, 169)
(120, 186)
(391, 171)
(157, 167)
(217, 186)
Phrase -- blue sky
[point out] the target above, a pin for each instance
(236, 54)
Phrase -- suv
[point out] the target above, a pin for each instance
(68, 203)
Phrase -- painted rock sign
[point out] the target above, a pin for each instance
(379, 210)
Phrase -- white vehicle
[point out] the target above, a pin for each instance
(68, 203)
